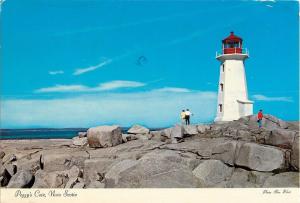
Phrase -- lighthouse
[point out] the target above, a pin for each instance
(233, 100)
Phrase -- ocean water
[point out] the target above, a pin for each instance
(44, 133)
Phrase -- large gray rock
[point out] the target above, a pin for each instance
(116, 176)
(74, 172)
(22, 179)
(31, 163)
(190, 160)
(71, 182)
(2, 169)
(128, 137)
(177, 132)
(156, 135)
(157, 169)
(82, 134)
(247, 135)
(216, 130)
(190, 130)
(203, 128)
(140, 136)
(294, 125)
(273, 122)
(55, 179)
(79, 185)
(288, 179)
(212, 172)
(63, 159)
(225, 152)
(197, 145)
(56, 161)
(59, 179)
(240, 179)
(10, 168)
(5, 176)
(73, 176)
(260, 158)
(230, 131)
(269, 122)
(80, 141)
(8, 158)
(96, 184)
(40, 181)
(258, 178)
(104, 136)
(167, 133)
(94, 169)
(173, 172)
(2, 154)
(295, 153)
(281, 138)
(137, 129)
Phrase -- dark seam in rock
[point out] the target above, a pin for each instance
(88, 154)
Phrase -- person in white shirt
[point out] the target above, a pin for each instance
(187, 117)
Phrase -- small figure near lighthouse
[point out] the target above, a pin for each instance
(233, 100)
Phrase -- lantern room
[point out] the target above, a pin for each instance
(232, 44)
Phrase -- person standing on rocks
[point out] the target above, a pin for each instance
(182, 116)
(259, 118)
(187, 117)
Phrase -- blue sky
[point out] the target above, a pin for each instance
(76, 63)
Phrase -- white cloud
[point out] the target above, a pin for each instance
(172, 89)
(1, 4)
(269, 6)
(63, 88)
(116, 84)
(92, 68)
(56, 72)
(260, 97)
(153, 109)
(112, 85)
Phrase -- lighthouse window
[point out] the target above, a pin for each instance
(223, 67)
(220, 108)
(221, 87)
(232, 45)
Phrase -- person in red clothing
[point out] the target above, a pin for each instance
(259, 118)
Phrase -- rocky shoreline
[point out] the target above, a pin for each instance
(235, 154)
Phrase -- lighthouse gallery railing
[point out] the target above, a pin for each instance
(234, 51)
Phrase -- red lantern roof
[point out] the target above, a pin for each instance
(232, 38)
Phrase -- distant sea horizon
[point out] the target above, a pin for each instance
(46, 133)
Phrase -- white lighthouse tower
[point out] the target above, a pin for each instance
(233, 100)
